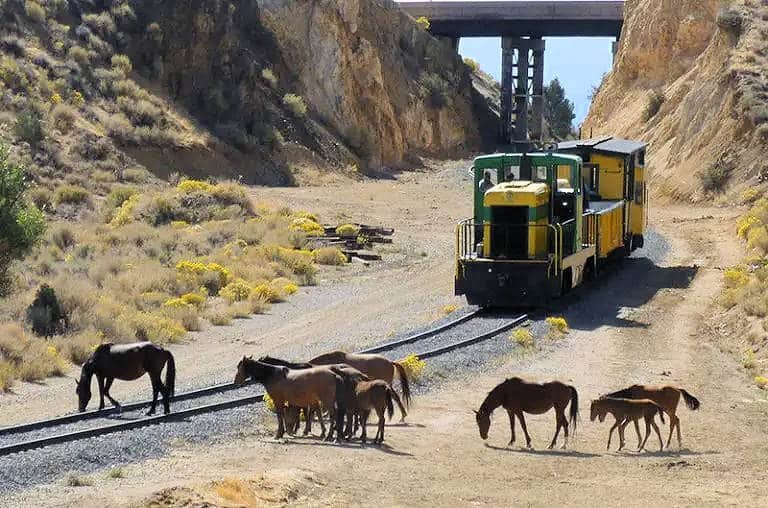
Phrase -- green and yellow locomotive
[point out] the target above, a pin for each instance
(550, 221)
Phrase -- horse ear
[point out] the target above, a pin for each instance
(474, 411)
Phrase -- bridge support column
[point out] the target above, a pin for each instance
(522, 86)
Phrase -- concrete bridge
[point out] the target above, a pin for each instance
(521, 24)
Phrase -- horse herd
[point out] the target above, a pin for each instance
(350, 386)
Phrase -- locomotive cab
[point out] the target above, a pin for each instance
(544, 227)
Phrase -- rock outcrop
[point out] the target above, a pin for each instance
(689, 78)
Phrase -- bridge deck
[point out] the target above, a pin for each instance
(521, 18)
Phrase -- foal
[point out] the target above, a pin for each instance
(625, 411)
(667, 397)
(518, 396)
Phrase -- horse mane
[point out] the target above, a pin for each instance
(284, 363)
(251, 365)
(626, 393)
(494, 398)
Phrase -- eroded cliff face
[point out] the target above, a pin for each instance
(374, 77)
(704, 63)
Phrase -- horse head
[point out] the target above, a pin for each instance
(83, 392)
(596, 410)
(242, 370)
(483, 420)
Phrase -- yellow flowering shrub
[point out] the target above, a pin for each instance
(450, 309)
(124, 214)
(187, 186)
(196, 269)
(157, 328)
(56, 99)
(735, 277)
(348, 231)
(523, 337)
(423, 22)
(267, 292)
(308, 226)
(558, 323)
(290, 288)
(194, 299)
(77, 99)
(413, 365)
(175, 303)
(269, 403)
(306, 215)
(745, 224)
(179, 224)
(761, 382)
(329, 256)
(236, 291)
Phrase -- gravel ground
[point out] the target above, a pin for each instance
(47, 465)
(50, 464)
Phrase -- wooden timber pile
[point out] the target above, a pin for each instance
(355, 244)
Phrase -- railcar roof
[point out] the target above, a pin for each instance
(604, 144)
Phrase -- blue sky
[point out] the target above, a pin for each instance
(579, 63)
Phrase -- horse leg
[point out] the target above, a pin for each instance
(637, 431)
(672, 419)
(155, 378)
(279, 409)
(525, 429)
(558, 423)
(100, 380)
(380, 433)
(364, 423)
(319, 412)
(610, 433)
(623, 425)
(647, 433)
(107, 385)
(511, 426)
(564, 424)
(656, 428)
(679, 438)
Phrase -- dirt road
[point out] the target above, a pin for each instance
(647, 323)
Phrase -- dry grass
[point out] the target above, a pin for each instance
(26, 358)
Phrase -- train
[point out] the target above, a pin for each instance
(546, 222)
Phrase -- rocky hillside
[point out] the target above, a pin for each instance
(690, 78)
(245, 88)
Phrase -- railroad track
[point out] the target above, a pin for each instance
(218, 389)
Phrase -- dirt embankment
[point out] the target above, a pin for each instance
(690, 78)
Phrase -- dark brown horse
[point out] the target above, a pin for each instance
(127, 362)
(370, 396)
(667, 397)
(625, 411)
(518, 396)
(373, 366)
(301, 388)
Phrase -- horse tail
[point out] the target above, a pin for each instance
(574, 408)
(405, 384)
(690, 401)
(390, 406)
(170, 374)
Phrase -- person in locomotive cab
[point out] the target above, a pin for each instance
(486, 183)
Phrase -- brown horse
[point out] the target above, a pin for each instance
(127, 362)
(667, 397)
(373, 366)
(301, 388)
(373, 396)
(625, 411)
(518, 396)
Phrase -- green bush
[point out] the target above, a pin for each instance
(119, 195)
(436, 89)
(122, 63)
(730, 20)
(21, 224)
(63, 117)
(45, 314)
(655, 101)
(29, 127)
(715, 177)
(295, 103)
(269, 76)
(70, 194)
(472, 64)
(80, 55)
(35, 11)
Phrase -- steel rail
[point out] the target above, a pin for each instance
(222, 388)
(219, 406)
